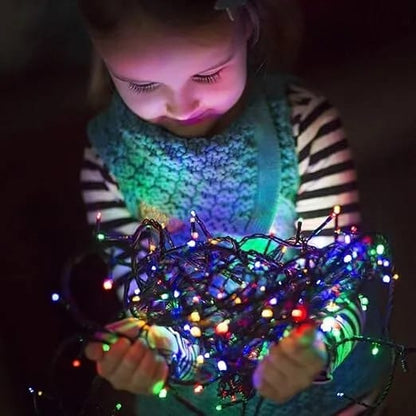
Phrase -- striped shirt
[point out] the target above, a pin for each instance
(327, 178)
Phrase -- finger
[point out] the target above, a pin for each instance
(299, 348)
(129, 327)
(283, 356)
(94, 351)
(270, 390)
(156, 375)
(162, 339)
(132, 359)
(113, 357)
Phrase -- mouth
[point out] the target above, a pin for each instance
(192, 120)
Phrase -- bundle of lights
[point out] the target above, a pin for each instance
(232, 300)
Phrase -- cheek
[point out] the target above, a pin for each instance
(146, 106)
(223, 96)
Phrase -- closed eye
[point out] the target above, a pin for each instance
(146, 88)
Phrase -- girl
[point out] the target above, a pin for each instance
(194, 124)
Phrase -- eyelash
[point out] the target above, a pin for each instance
(205, 79)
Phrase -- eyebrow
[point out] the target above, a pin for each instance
(223, 62)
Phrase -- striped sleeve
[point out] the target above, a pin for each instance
(326, 168)
(327, 178)
(100, 193)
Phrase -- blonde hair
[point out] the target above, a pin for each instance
(274, 45)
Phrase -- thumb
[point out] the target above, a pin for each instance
(161, 338)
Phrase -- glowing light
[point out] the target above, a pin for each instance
(386, 263)
(328, 324)
(40, 393)
(195, 235)
(163, 393)
(158, 387)
(153, 268)
(196, 332)
(106, 347)
(31, 390)
(118, 406)
(76, 363)
(267, 313)
(299, 314)
(396, 276)
(135, 299)
(196, 299)
(137, 291)
(257, 264)
(222, 328)
(176, 293)
(200, 359)
(195, 317)
(218, 407)
(262, 288)
(273, 301)
(332, 307)
(347, 239)
(347, 258)
(337, 209)
(191, 243)
(375, 350)
(380, 249)
(386, 278)
(237, 301)
(186, 327)
(164, 296)
(222, 366)
(55, 297)
(198, 388)
(108, 284)
(340, 394)
(100, 236)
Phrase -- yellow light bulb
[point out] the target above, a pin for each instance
(195, 317)
(196, 332)
(267, 313)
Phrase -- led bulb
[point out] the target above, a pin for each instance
(222, 366)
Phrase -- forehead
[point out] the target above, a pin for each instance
(138, 53)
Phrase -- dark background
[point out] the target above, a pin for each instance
(361, 54)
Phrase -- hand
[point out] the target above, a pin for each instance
(132, 367)
(291, 365)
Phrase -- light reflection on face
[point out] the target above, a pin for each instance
(187, 84)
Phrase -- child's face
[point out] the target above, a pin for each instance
(185, 83)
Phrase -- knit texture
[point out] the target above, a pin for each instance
(164, 176)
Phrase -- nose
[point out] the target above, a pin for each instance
(182, 106)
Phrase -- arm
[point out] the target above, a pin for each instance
(327, 178)
(100, 193)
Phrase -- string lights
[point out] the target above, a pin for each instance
(231, 300)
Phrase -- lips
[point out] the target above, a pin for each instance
(192, 120)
